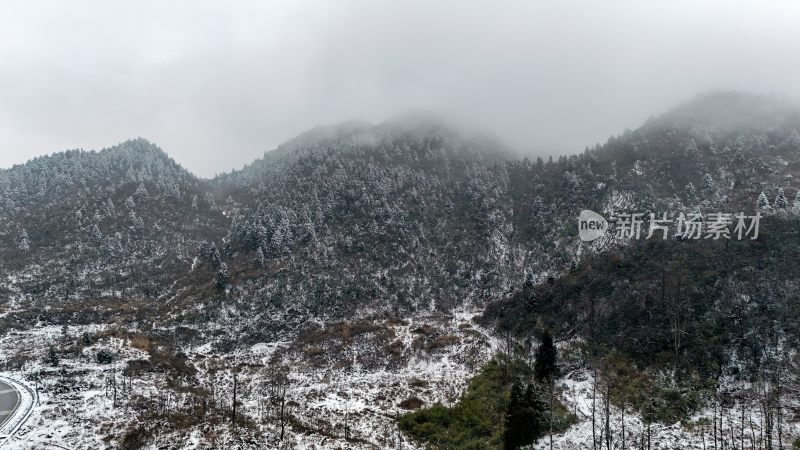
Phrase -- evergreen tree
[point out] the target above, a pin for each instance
(780, 200)
(223, 277)
(545, 369)
(141, 192)
(691, 192)
(637, 168)
(96, 234)
(216, 258)
(227, 248)
(24, 244)
(797, 202)
(52, 357)
(260, 259)
(136, 222)
(526, 416)
(104, 357)
(110, 210)
(209, 200)
(763, 202)
(691, 149)
(708, 182)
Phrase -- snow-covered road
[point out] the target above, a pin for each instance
(9, 402)
(17, 400)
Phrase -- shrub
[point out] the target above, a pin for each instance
(105, 357)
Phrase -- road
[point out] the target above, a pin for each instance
(9, 402)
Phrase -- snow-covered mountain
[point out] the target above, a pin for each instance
(361, 269)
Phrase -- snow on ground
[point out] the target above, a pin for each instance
(366, 402)
(577, 393)
(77, 408)
(76, 404)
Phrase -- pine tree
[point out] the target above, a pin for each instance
(708, 182)
(141, 192)
(260, 259)
(525, 416)
(96, 234)
(227, 248)
(136, 222)
(780, 200)
(691, 149)
(110, 210)
(797, 203)
(691, 192)
(209, 200)
(546, 366)
(637, 168)
(52, 357)
(763, 202)
(129, 203)
(216, 258)
(223, 277)
(24, 244)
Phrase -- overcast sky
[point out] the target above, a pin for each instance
(217, 83)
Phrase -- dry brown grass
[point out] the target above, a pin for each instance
(140, 342)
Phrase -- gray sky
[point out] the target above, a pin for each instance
(217, 83)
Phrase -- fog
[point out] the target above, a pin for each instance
(217, 83)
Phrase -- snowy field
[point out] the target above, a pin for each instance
(330, 408)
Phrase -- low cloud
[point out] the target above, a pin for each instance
(218, 84)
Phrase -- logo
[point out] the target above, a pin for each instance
(691, 225)
(591, 225)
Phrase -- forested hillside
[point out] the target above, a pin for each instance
(365, 251)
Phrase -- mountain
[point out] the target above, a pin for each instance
(363, 252)
(123, 222)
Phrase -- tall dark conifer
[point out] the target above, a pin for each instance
(545, 368)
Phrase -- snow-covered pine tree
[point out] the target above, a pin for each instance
(260, 259)
(708, 182)
(276, 242)
(129, 203)
(763, 202)
(96, 234)
(141, 192)
(796, 205)
(227, 247)
(216, 258)
(23, 243)
(637, 168)
(261, 236)
(209, 200)
(136, 222)
(691, 149)
(691, 192)
(110, 210)
(223, 277)
(780, 199)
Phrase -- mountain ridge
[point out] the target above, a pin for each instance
(720, 108)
